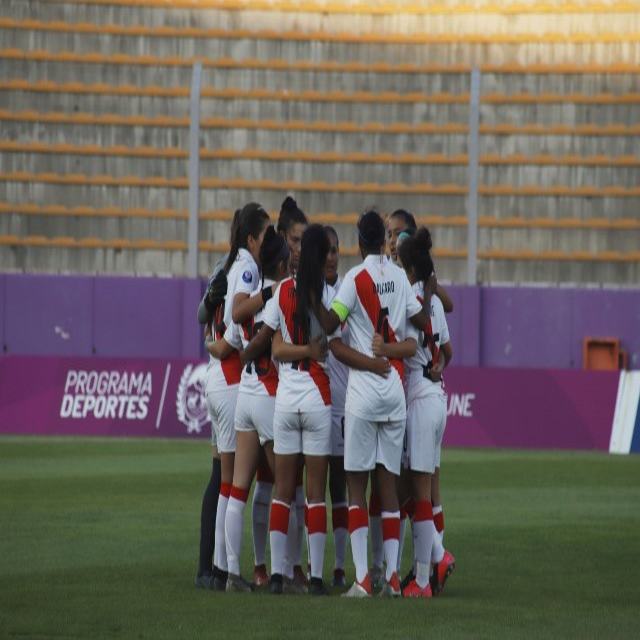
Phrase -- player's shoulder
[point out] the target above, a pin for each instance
(437, 308)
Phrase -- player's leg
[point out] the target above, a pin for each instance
(375, 525)
(388, 462)
(245, 463)
(359, 459)
(287, 448)
(298, 526)
(340, 515)
(260, 513)
(204, 578)
(316, 446)
(225, 407)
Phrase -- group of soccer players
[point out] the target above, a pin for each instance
(313, 375)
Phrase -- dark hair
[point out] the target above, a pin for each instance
(290, 214)
(310, 275)
(407, 217)
(328, 229)
(415, 251)
(273, 251)
(250, 222)
(234, 225)
(371, 231)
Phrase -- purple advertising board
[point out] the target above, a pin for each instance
(520, 408)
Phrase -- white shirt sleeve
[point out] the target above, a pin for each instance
(232, 336)
(442, 324)
(413, 304)
(248, 278)
(344, 302)
(271, 313)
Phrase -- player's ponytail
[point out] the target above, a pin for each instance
(310, 275)
(290, 214)
(251, 220)
(415, 253)
(273, 252)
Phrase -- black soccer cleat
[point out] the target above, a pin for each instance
(219, 579)
(204, 581)
(275, 584)
(317, 588)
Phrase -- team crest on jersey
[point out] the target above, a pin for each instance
(247, 276)
(191, 404)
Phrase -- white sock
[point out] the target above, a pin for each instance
(260, 519)
(437, 551)
(317, 537)
(359, 534)
(278, 527)
(233, 528)
(220, 549)
(391, 540)
(423, 526)
(291, 548)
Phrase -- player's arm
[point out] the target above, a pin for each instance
(287, 352)
(419, 320)
(328, 318)
(246, 306)
(405, 349)
(356, 360)
(444, 358)
(219, 349)
(437, 290)
(258, 345)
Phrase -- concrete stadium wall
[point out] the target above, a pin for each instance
(515, 327)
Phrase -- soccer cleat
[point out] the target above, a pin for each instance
(298, 576)
(292, 587)
(219, 579)
(407, 579)
(359, 589)
(377, 577)
(238, 584)
(338, 578)
(260, 576)
(414, 590)
(317, 588)
(204, 581)
(391, 588)
(441, 572)
(275, 584)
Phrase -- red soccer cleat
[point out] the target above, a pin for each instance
(260, 576)
(441, 572)
(414, 590)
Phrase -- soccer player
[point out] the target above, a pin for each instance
(403, 222)
(292, 222)
(302, 422)
(255, 405)
(426, 411)
(338, 376)
(242, 273)
(378, 305)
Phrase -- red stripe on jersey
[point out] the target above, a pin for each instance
(429, 341)
(287, 302)
(263, 365)
(366, 290)
(231, 365)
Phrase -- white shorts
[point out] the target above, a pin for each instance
(337, 434)
(255, 413)
(221, 404)
(302, 432)
(367, 443)
(426, 420)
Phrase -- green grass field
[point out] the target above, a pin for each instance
(98, 538)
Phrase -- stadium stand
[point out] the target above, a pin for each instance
(344, 108)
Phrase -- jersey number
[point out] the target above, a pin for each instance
(382, 325)
(262, 362)
(300, 336)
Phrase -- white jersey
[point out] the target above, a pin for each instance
(338, 372)
(243, 277)
(304, 385)
(376, 297)
(259, 377)
(430, 339)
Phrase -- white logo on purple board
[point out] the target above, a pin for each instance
(191, 403)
